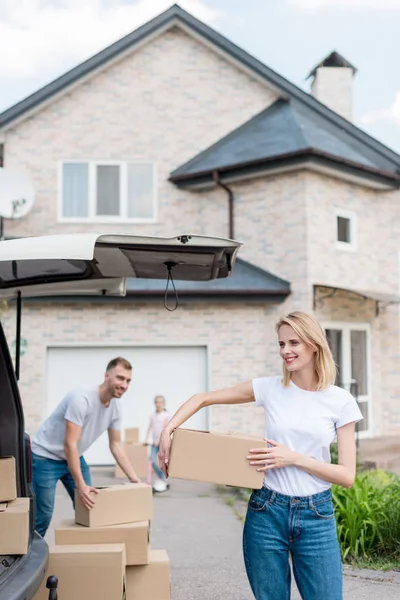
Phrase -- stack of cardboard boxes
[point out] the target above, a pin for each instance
(105, 553)
(14, 512)
(137, 454)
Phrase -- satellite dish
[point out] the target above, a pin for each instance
(17, 193)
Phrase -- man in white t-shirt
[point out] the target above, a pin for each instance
(60, 442)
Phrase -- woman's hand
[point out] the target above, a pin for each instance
(164, 451)
(272, 458)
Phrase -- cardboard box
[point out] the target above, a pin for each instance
(151, 582)
(135, 536)
(86, 572)
(14, 526)
(215, 458)
(8, 480)
(132, 435)
(139, 458)
(116, 505)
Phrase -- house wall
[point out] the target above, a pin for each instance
(240, 337)
(372, 267)
(164, 102)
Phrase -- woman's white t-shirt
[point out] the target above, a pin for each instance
(305, 422)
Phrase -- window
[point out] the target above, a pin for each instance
(349, 343)
(346, 230)
(107, 191)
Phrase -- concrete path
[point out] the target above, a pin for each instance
(202, 536)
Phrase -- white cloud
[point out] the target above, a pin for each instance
(36, 36)
(385, 114)
(314, 5)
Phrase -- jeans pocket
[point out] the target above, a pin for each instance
(257, 503)
(324, 510)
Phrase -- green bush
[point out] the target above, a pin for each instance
(390, 526)
(368, 515)
(334, 454)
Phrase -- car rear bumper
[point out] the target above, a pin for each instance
(24, 581)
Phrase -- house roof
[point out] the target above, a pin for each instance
(334, 59)
(287, 131)
(176, 16)
(246, 283)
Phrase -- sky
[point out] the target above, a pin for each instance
(41, 39)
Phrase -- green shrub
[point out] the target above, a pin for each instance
(390, 526)
(358, 514)
(368, 515)
(334, 454)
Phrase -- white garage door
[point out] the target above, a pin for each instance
(174, 372)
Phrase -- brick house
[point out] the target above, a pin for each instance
(174, 129)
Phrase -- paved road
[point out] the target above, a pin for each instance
(203, 539)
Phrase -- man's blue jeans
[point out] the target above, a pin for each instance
(303, 526)
(154, 461)
(45, 475)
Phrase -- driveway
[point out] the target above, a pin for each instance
(203, 538)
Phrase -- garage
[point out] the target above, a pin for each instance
(176, 372)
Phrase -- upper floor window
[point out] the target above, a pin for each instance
(107, 191)
(346, 230)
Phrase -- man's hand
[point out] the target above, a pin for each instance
(272, 458)
(135, 480)
(86, 495)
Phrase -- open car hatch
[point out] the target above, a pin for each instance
(96, 264)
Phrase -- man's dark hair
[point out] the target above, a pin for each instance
(119, 360)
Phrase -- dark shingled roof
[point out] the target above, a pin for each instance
(286, 130)
(246, 282)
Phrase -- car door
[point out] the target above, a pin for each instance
(99, 264)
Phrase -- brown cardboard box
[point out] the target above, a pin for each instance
(139, 457)
(135, 536)
(151, 582)
(116, 505)
(215, 458)
(131, 435)
(92, 572)
(14, 526)
(8, 483)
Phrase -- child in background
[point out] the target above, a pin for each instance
(158, 420)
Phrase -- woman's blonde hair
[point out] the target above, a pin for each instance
(310, 331)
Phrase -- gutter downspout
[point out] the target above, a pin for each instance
(231, 199)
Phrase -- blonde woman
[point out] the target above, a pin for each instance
(293, 513)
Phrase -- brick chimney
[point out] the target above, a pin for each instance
(332, 84)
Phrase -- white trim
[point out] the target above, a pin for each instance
(346, 327)
(299, 168)
(92, 182)
(352, 217)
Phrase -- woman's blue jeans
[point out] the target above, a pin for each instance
(46, 473)
(302, 526)
(154, 462)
